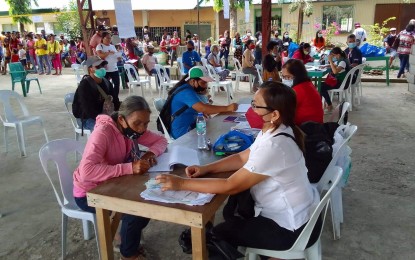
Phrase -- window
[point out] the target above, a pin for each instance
(341, 14)
(10, 27)
(276, 14)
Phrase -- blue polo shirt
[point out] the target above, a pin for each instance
(355, 55)
(186, 121)
(190, 58)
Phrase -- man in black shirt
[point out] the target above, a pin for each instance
(88, 101)
(353, 53)
(388, 42)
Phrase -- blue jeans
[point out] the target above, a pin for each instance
(88, 123)
(115, 77)
(225, 53)
(131, 228)
(43, 60)
(32, 60)
(404, 58)
(154, 71)
(258, 57)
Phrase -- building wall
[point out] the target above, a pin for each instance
(48, 19)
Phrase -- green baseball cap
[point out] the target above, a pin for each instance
(199, 72)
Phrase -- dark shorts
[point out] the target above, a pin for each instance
(23, 62)
(7, 58)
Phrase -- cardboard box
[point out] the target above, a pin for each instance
(411, 88)
(410, 78)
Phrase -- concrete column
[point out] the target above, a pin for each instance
(145, 18)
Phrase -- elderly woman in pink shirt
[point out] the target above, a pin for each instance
(112, 151)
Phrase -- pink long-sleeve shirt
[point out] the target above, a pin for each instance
(105, 153)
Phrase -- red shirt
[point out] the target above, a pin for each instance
(174, 41)
(163, 45)
(309, 106)
(15, 58)
(301, 56)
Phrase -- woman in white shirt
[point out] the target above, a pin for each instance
(274, 170)
(107, 51)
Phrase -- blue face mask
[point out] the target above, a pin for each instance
(351, 45)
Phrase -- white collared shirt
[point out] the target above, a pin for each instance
(287, 197)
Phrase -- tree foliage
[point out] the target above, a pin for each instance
(20, 10)
(377, 32)
(68, 20)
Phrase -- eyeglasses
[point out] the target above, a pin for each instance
(255, 106)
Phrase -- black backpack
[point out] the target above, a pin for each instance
(318, 147)
(165, 113)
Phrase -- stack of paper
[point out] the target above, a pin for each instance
(176, 155)
(183, 197)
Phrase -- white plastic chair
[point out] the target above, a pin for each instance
(357, 86)
(158, 104)
(11, 120)
(77, 128)
(57, 151)
(180, 67)
(239, 74)
(335, 114)
(204, 62)
(134, 80)
(260, 72)
(217, 83)
(344, 91)
(77, 68)
(299, 250)
(165, 81)
(336, 204)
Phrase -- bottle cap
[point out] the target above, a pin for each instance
(200, 114)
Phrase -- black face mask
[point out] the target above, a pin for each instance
(130, 133)
(199, 89)
(189, 49)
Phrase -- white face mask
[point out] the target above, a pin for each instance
(393, 34)
(288, 82)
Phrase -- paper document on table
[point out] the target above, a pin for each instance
(175, 155)
(242, 108)
(154, 192)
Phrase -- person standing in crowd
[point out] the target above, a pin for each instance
(106, 51)
(248, 66)
(188, 98)
(278, 40)
(7, 54)
(237, 45)
(406, 40)
(388, 43)
(258, 48)
(163, 47)
(112, 151)
(73, 51)
(339, 65)
(188, 35)
(360, 33)
(224, 48)
(146, 34)
(196, 43)
(270, 63)
(190, 57)
(130, 46)
(214, 60)
(286, 38)
(42, 53)
(174, 44)
(208, 45)
(55, 53)
(353, 53)
(319, 42)
(303, 53)
(22, 56)
(97, 37)
(31, 49)
(149, 63)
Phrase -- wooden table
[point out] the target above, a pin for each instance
(317, 75)
(123, 195)
(386, 59)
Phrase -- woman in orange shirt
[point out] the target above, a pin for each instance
(319, 42)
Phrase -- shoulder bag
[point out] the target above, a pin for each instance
(108, 107)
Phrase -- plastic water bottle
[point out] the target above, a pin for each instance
(201, 131)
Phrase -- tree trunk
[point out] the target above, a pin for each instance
(300, 22)
(21, 25)
(233, 21)
(266, 25)
(86, 32)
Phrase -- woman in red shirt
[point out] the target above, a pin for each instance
(309, 106)
(303, 53)
(319, 42)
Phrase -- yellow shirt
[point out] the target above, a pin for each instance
(39, 47)
(54, 47)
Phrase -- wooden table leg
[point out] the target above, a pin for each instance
(199, 251)
(387, 72)
(318, 84)
(104, 234)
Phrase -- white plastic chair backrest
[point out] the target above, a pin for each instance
(260, 72)
(57, 151)
(68, 104)
(212, 73)
(204, 62)
(360, 69)
(158, 104)
(84, 67)
(348, 79)
(180, 66)
(335, 114)
(131, 69)
(237, 64)
(77, 68)
(6, 96)
(159, 68)
(332, 178)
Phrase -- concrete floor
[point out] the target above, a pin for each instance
(378, 202)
